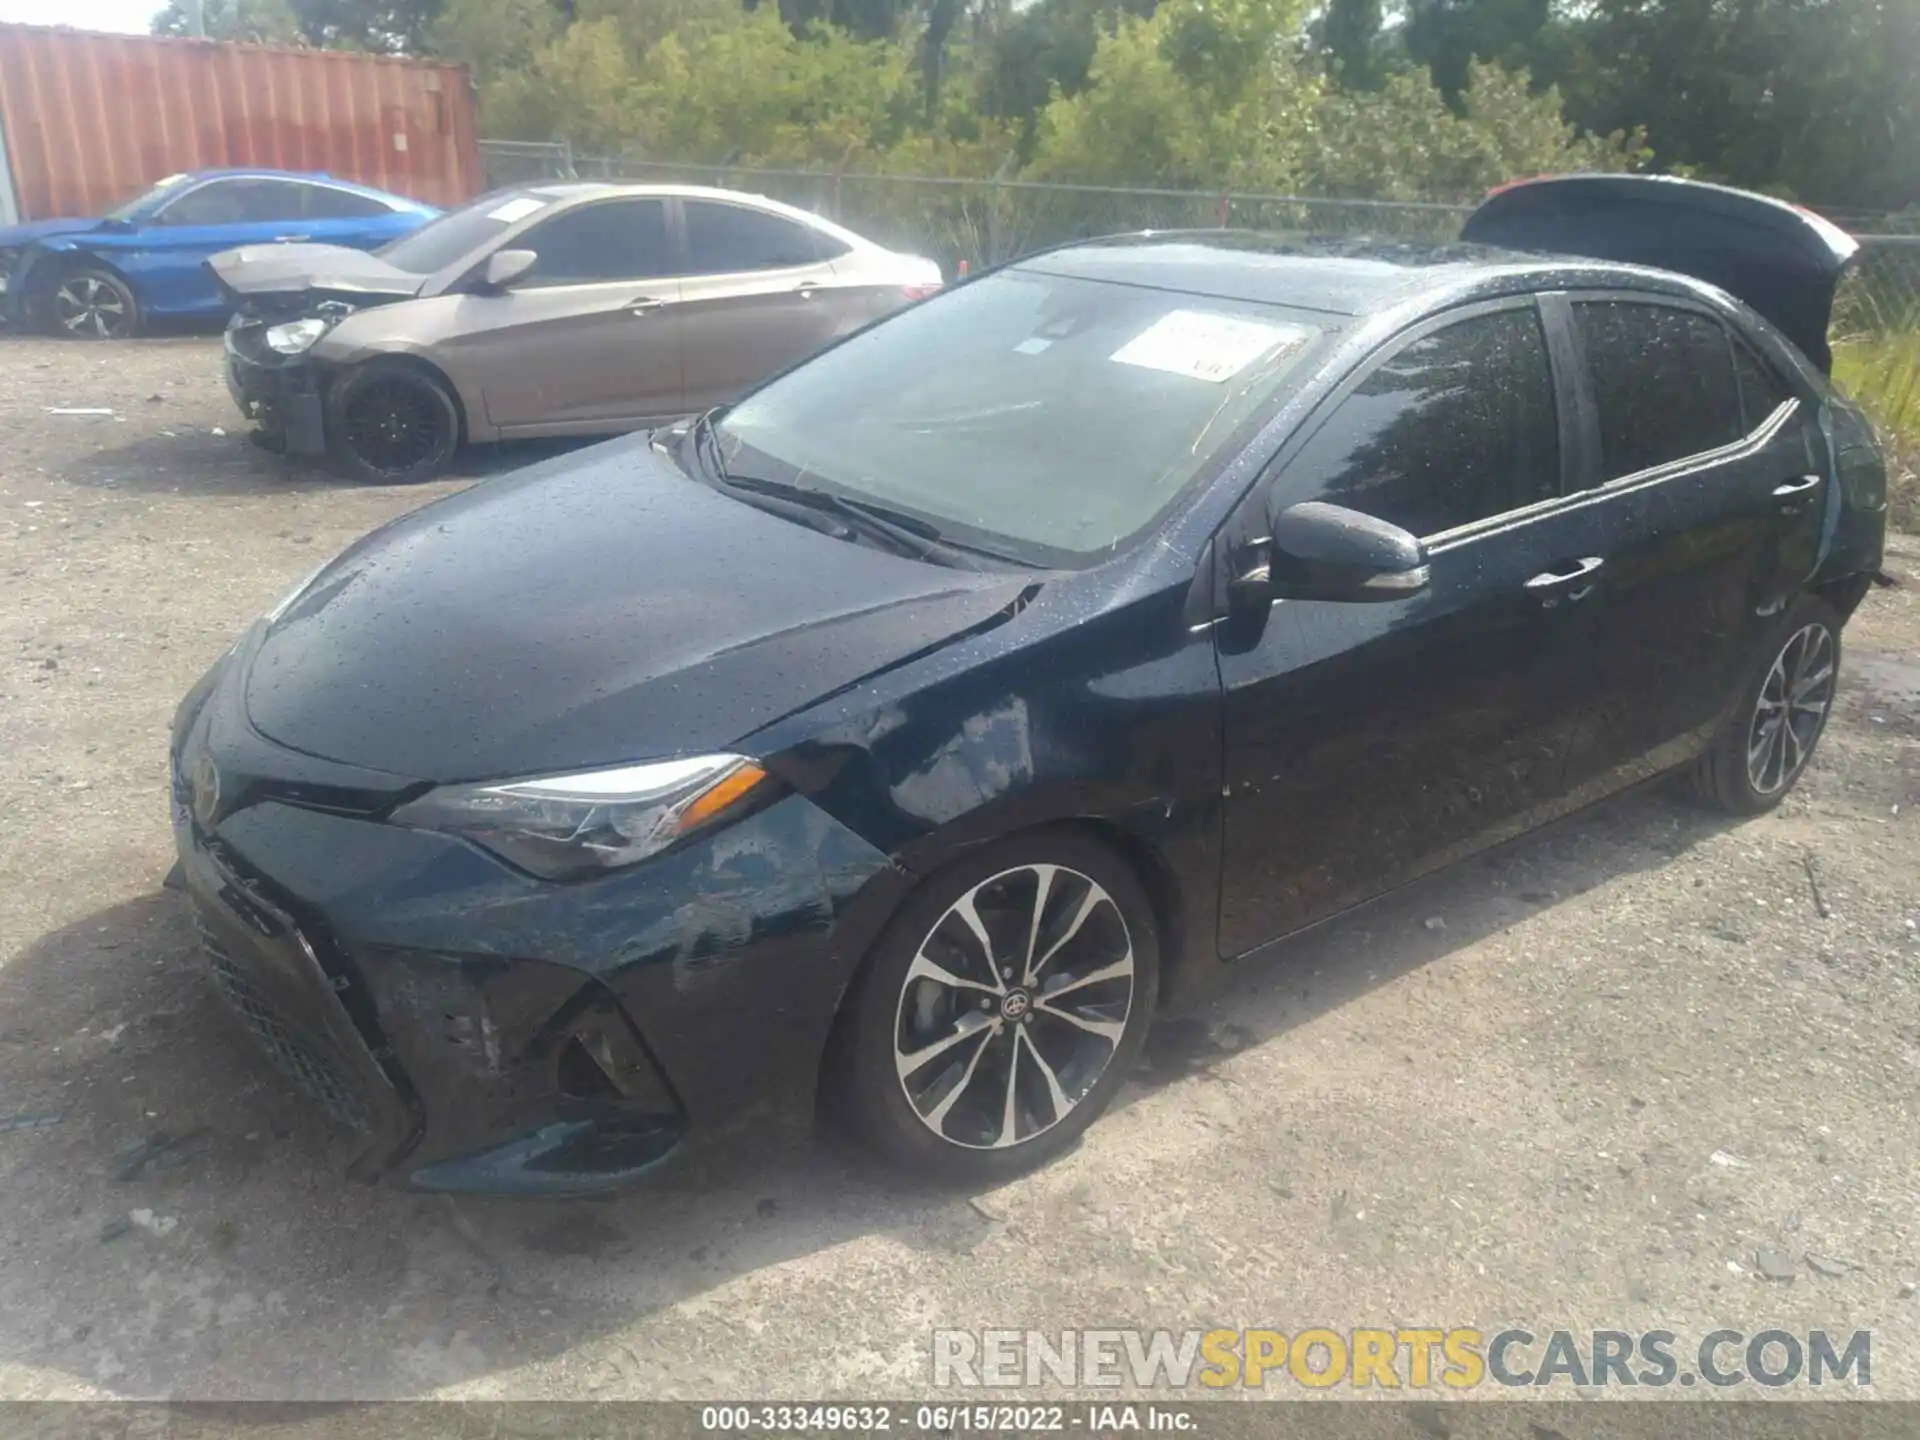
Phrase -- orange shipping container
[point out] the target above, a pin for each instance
(88, 120)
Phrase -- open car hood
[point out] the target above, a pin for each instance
(299, 269)
(1783, 261)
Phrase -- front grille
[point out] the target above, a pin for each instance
(309, 1062)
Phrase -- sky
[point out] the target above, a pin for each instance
(131, 16)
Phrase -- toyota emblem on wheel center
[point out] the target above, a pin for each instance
(206, 790)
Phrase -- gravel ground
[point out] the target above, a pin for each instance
(1497, 1098)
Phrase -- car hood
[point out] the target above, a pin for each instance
(593, 610)
(17, 237)
(1784, 261)
(298, 269)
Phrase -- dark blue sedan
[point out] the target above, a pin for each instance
(109, 278)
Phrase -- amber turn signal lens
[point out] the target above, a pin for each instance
(734, 786)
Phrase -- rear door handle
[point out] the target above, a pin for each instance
(1571, 581)
(645, 305)
(1796, 490)
(805, 292)
(290, 239)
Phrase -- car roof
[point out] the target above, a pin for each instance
(585, 189)
(1335, 275)
(599, 189)
(246, 172)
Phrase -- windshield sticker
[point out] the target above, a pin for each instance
(516, 209)
(1214, 348)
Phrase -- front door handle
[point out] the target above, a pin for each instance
(1570, 582)
(645, 305)
(290, 239)
(805, 291)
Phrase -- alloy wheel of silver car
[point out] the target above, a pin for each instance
(94, 306)
(1791, 708)
(1014, 1006)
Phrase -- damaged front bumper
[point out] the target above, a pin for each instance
(486, 1032)
(280, 394)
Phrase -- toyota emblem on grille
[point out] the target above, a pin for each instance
(206, 790)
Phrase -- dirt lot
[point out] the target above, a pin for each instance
(1497, 1099)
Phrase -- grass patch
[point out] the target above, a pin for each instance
(1876, 361)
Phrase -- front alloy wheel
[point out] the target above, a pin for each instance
(1011, 997)
(94, 305)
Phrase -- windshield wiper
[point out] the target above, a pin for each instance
(907, 534)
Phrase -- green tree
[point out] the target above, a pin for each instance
(1817, 99)
(391, 26)
(1406, 143)
(387, 26)
(1349, 37)
(496, 37)
(264, 22)
(1202, 95)
(1448, 36)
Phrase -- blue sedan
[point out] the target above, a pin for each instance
(108, 278)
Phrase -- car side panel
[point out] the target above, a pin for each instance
(738, 329)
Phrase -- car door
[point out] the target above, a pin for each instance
(756, 295)
(335, 216)
(1368, 743)
(589, 340)
(169, 261)
(1794, 467)
(1708, 504)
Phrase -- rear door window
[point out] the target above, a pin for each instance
(324, 202)
(612, 241)
(1762, 391)
(726, 239)
(1457, 426)
(1663, 380)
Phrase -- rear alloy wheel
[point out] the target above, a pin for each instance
(1771, 736)
(391, 424)
(92, 305)
(1003, 1009)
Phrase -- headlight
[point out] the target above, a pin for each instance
(295, 336)
(567, 827)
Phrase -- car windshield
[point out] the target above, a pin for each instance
(1049, 419)
(439, 243)
(146, 199)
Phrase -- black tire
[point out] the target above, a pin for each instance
(967, 1094)
(87, 302)
(1752, 765)
(391, 423)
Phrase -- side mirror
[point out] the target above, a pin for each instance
(1328, 552)
(506, 266)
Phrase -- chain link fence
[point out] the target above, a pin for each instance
(982, 222)
(973, 223)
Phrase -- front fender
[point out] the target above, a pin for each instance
(1111, 721)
